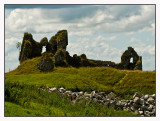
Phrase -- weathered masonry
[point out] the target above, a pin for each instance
(56, 54)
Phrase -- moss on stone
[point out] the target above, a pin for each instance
(126, 59)
(46, 63)
(83, 56)
(53, 39)
(29, 44)
(87, 63)
(60, 58)
(44, 41)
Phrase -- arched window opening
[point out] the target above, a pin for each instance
(43, 49)
(131, 60)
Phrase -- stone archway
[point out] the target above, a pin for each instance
(129, 58)
(44, 43)
(43, 49)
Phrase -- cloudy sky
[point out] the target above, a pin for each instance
(102, 32)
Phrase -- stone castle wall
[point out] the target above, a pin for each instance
(57, 46)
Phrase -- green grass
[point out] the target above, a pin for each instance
(28, 66)
(24, 100)
(13, 109)
(21, 89)
(123, 83)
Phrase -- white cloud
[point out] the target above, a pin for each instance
(96, 48)
(29, 20)
(134, 40)
(10, 44)
(88, 28)
(146, 49)
(42, 20)
(143, 47)
(12, 56)
(102, 38)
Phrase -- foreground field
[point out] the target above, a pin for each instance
(23, 100)
(22, 93)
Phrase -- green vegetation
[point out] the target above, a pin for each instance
(21, 89)
(123, 83)
(24, 100)
(44, 41)
(47, 55)
(26, 67)
(18, 46)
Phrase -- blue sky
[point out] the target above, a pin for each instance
(102, 32)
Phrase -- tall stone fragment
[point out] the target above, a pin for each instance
(44, 41)
(58, 41)
(62, 39)
(138, 65)
(60, 58)
(52, 46)
(30, 48)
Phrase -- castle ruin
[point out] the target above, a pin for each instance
(56, 54)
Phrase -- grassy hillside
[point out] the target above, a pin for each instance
(27, 76)
(24, 100)
(122, 82)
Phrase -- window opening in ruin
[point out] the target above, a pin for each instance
(131, 60)
(43, 49)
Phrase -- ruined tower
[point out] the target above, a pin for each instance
(129, 55)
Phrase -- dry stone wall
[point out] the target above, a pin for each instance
(143, 105)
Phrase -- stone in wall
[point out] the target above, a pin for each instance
(144, 105)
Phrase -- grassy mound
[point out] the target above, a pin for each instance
(124, 83)
(26, 67)
(21, 89)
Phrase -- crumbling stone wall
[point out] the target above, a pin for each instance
(60, 58)
(126, 60)
(58, 41)
(30, 48)
(62, 39)
(57, 46)
(138, 65)
(46, 63)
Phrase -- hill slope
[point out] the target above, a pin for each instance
(24, 98)
(106, 79)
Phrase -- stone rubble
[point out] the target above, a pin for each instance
(143, 105)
